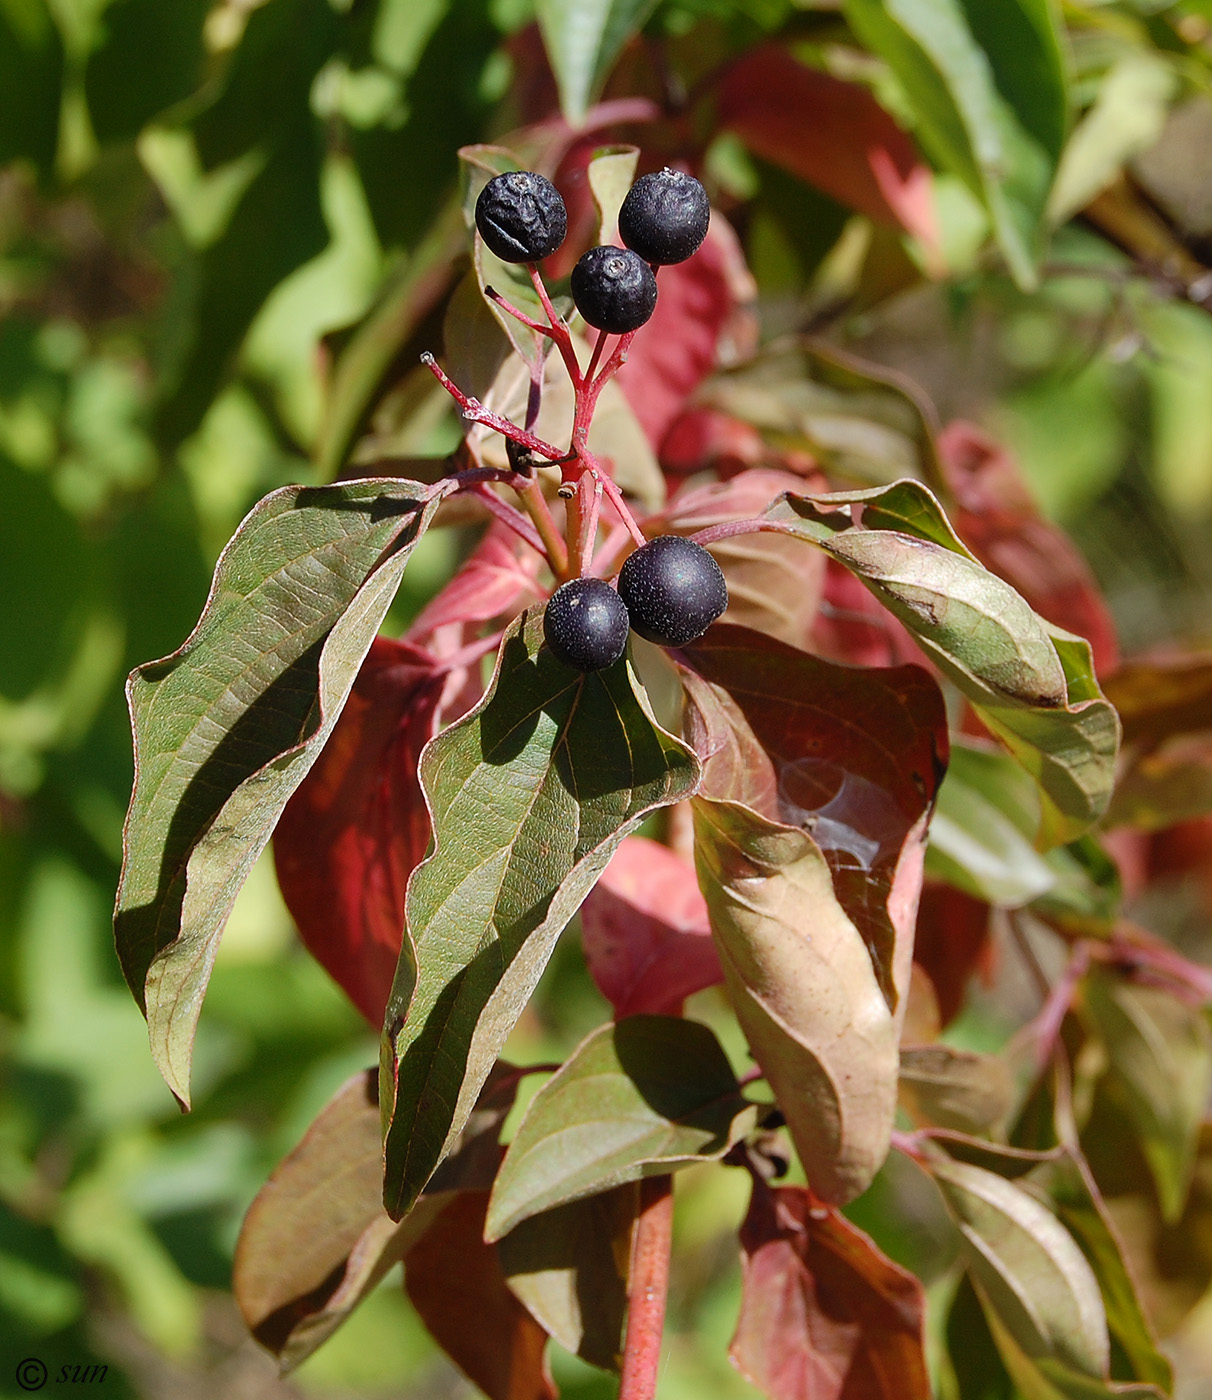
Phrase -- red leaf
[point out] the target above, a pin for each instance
(699, 302)
(952, 943)
(357, 824)
(454, 1281)
(824, 1315)
(645, 932)
(497, 580)
(830, 133)
(999, 521)
(853, 756)
(704, 439)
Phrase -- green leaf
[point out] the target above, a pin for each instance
(227, 726)
(803, 986)
(987, 86)
(981, 832)
(636, 1098)
(1046, 1378)
(569, 1266)
(1031, 683)
(957, 1089)
(1062, 1180)
(611, 174)
(316, 1239)
(31, 80)
(863, 422)
(530, 795)
(1027, 1266)
(583, 39)
(1160, 1053)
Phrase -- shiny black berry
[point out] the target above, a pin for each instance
(673, 590)
(521, 216)
(586, 624)
(614, 289)
(664, 217)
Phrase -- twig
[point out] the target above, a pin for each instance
(475, 412)
(647, 1289)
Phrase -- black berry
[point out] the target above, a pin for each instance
(614, 289)
(521, 216)
(586, 624)
(673, 590)
(664, 217)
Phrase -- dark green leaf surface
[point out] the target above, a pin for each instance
(1031, 683)
(1160, 1053)
(31, 77)
(569, 1266)
(637, 1098)
(226, 727)
(530, 795)
(986, 83)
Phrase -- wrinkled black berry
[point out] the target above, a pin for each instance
(673, 590)
(614, 289)
(586, 624)
(521, 216)
(664, 217)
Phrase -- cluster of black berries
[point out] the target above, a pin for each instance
(670, 591)
(522, 218)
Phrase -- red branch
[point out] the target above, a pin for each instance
(647, 1289)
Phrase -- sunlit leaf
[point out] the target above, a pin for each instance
(824, 1315)
(227, 727)
(637, 1098)
(570, 1267)
(1032, 684)
(987, 87)
(582, 42)
(1027, 1265)
(830, 133)
(803, 986)
(611, 172)
(530, 795)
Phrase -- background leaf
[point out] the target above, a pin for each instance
(1027, 1265)
(824, 1315)
(227, 726)
(988, 89)
(553, 761)
(637, 1098)
(582, 43)
(645, 931)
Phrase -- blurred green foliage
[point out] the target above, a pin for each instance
(198, 201)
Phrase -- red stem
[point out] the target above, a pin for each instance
(508, 515)
(475, 412)
(559, 331)
(754, 526)
(647, 1289)
(537, 326)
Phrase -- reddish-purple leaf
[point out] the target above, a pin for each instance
(999, 521)
(357, 824)
(824, 1314)
(700, 301)
(951, 943)
(497, 581)
(455, 1282)
(645, 931)
(854, 757)
(830, 133)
